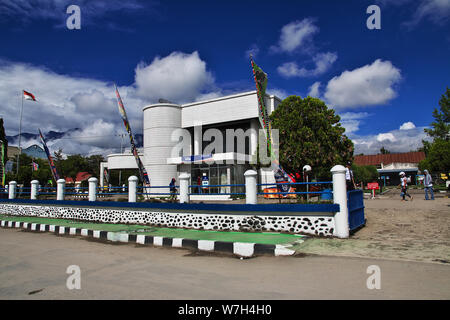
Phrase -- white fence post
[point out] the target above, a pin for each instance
(340, 197)
(184, 187)
(34, 189)
(60, 189)
(12, 189)
(250, 187)
(93, 188)
(132, 184)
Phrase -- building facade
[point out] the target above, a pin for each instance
(180, 138)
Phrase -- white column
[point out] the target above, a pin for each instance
(12, 189)
(198, 138)
(132, 184)
(60, 189)
(34, 189)
(340, 198)
(250, 187)
(254, 127)
(93, 188)
(184, 187)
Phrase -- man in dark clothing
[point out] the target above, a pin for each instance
(173, 190)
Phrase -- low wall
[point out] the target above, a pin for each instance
(313, 219)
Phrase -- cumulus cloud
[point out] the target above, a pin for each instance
(371, 84)
(386, 137)
(322, 62)
(295, 35)
(407, 126)
(179, 77)
(314, 90)
(394, 141)
(351, 121)
(65, 102)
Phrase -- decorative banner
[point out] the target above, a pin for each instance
(49, 157)
(106, 175)
(261, 84)
(35, 166)
(3, 163)
(142, 172)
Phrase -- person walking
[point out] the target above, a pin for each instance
(349, 177)
(428, 184)
(173, 190)
(404, 186)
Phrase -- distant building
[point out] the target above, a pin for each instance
(81, 176)
(390, 165)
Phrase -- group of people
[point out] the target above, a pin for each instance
(427, 182)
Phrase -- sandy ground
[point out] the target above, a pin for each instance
(417, 230)
(33, 266)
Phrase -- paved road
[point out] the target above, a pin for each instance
(37, 262)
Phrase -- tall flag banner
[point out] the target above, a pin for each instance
(142, 172)
(3, 163)
(28, 96)
(261, 84)
(49, 157)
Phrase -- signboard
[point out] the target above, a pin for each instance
(373, 186)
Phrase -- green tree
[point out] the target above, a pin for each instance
(438, 151)
(310, 133)
(441, 126)
(74, 164)
(94, 164)
(383, 150)
(365, 174)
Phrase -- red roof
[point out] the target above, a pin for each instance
(385, 159)
(81, 176)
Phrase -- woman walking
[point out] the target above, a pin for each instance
(404, 186)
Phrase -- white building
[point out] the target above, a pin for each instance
(162, 124)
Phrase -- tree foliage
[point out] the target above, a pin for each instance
(365, 174)
(310, 133)
(438, 151)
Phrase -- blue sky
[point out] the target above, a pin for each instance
(384, 83)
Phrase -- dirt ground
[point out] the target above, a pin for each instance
(417, 230)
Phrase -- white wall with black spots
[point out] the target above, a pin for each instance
(313, 225)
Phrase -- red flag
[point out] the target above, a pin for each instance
(28, 96)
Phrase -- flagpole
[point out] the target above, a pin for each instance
(20, 135)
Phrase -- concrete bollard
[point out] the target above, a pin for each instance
(34, 189)
(132, 184)
(60, 189)
(12, 189)
(184, 187)
(250, 187)
(341, 229)
(93, 188)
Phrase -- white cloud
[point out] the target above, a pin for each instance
(368, 85)
(66, 102)
(295, 35)
(351, 121)
(436, 11)
(386, 136)
(394, 141)
(280, 93)
(179, 77)
(26, 11)
(314, 90)
(322, 62)
(407, 126)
